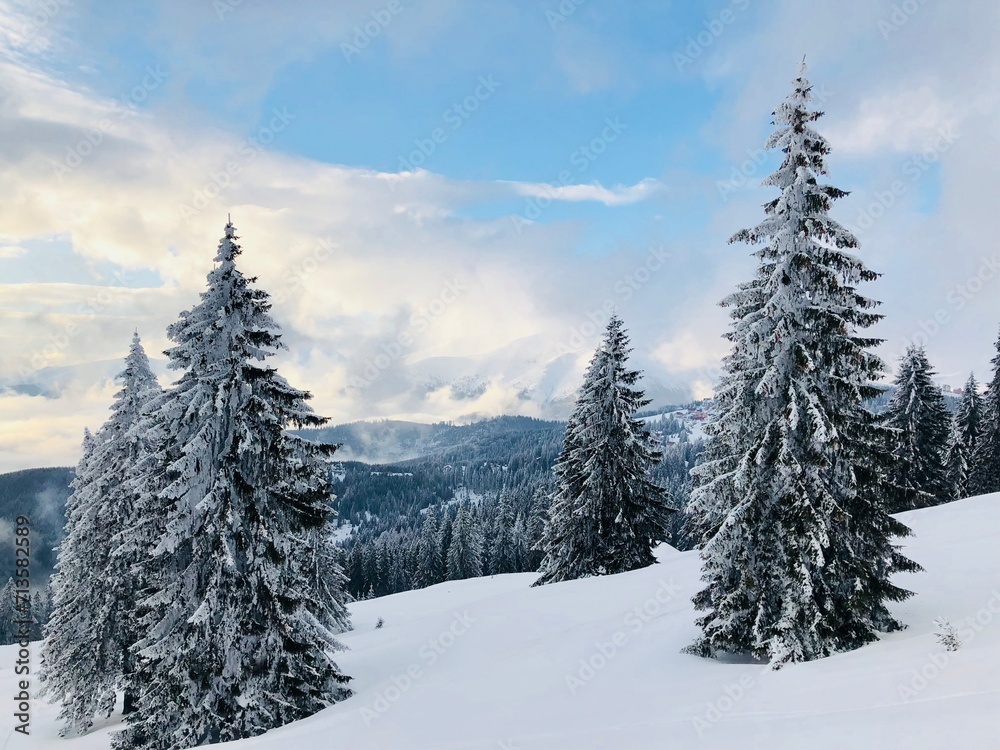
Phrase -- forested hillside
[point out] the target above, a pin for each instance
(39, 494)
(494, 484)
(385, 509)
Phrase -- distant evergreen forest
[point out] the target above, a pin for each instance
(493, 486)
(387, 511)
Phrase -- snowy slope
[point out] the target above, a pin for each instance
(493, 664)
(693, 418)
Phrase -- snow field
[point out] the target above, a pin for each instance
(492, 664)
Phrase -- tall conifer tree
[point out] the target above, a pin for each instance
(607, 514)
(986, 460)
(430, 567)
(237, 639)
(919, 421)
(87, 652)
(465, 551)
(965, 429)
(797, 542)
(501, 545)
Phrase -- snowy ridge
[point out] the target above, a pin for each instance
(490, 663)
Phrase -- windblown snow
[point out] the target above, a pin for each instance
(491, 664)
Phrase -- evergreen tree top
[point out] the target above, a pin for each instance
(229, 331)
(88, 442)
(608, 364)
(136, 378)
(915, 373)
(993, 388)
(803, 199)
(967, 421)
(232, 316)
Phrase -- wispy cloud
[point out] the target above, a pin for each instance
(619, 195)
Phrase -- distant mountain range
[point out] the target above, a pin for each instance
(41, 493)
(393, 441)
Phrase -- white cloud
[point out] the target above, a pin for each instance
(353, 258)
(619, 195)
(907, 121)
(690, 351)
(48, 432)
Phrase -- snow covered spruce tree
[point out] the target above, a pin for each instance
(86, 656)
(986, 460)
(965, 429)
(502, 553)
(607, 514)
(326, 580)
(797, 544)
(714, 491)
(920, 425)
(430, 566)
(41, 611)
(8, 628)
(237, 640)
(465, 552)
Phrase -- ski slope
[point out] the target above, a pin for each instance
(492, 664)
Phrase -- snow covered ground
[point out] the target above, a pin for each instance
(693, 418)
(492, 664)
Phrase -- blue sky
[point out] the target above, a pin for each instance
(515, 167)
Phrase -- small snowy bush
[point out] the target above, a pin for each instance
(946, 634)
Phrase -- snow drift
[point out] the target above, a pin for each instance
(492, 664)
